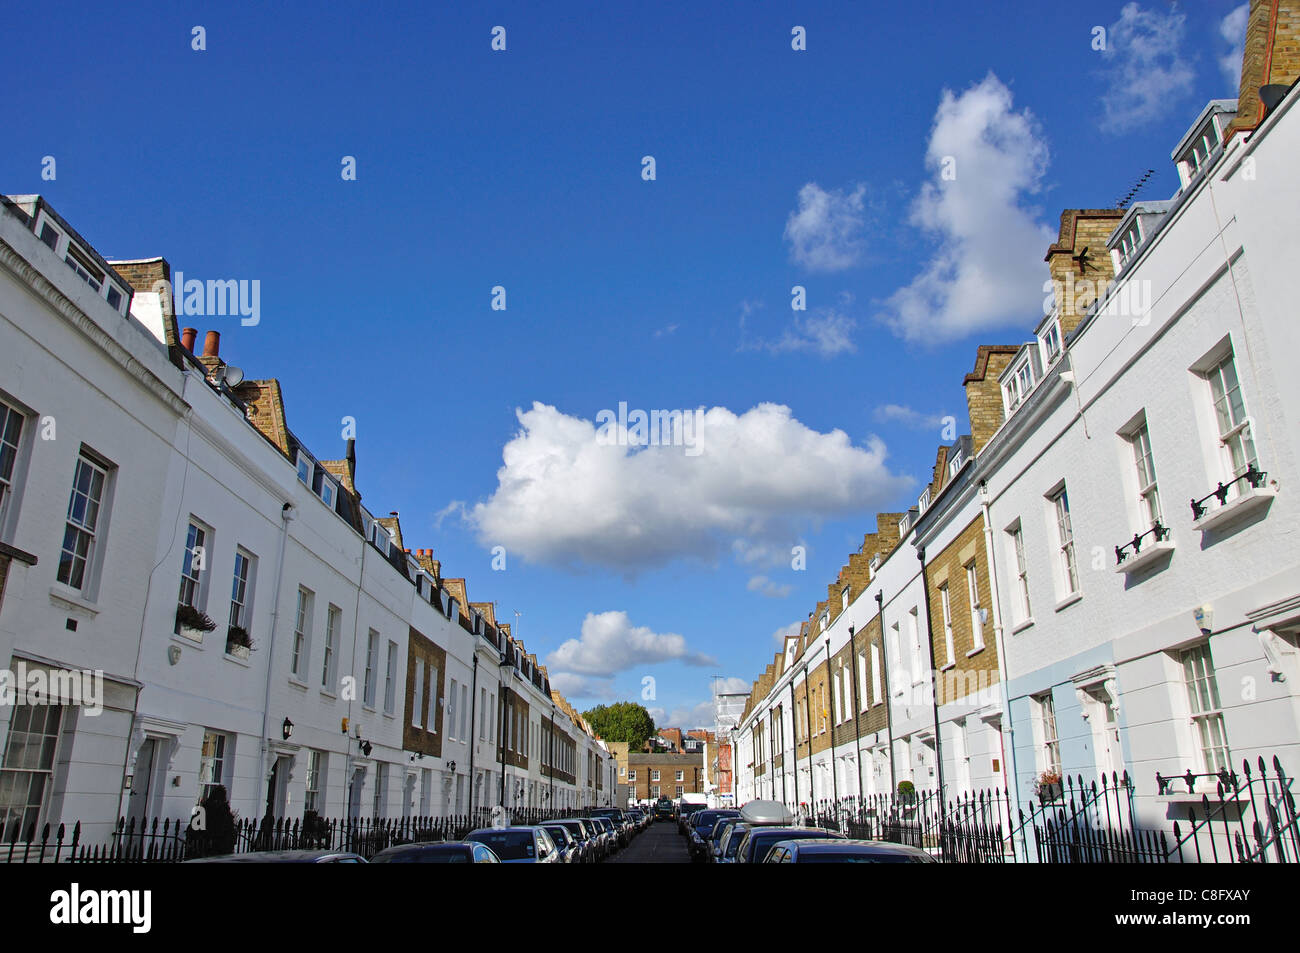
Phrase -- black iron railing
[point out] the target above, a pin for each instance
(1254, 477)
(1158, 529)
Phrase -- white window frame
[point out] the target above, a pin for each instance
(1234, 425)
(214, 766)
(1067, 566)
(945, 602)
(877, 688)
(1205, 708)
(1049, 740)
(89, 524)
(417, 697)
(20, 738)
(973, 593)
(317, 775)
(370, 684)
(241, 589)
(1016, 543)
(390, 679)
(193, 589)
(1148, 489)
(304, 609)
(333, 620)
(13, 426)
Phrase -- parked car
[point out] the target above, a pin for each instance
(815, 850)
(720, 830)
(639, 819)
(518, 845)
(284, 857)
(759, 840)
(570, 849)
(585, 837)
(615, 818)
(606, 827)
(664, 809)
(448, 852)
(684, 814)
(700, 829)
(730, 843)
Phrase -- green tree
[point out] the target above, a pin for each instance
(622, 721)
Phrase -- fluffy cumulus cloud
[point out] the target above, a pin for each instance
(1232, 28)
(568, 495)
(767, 587)
(779, 637)
(825, 231)
(1144, 69)
(907, 417)
(987, 271)
(609, 643)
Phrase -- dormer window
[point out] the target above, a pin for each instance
(1198, 154)
(82, 263)
(1018, 384)
(84, 268)
(923, 503)
(955, 464)
(324, 487)
(304, 469)
(905, 525)
(1128, 244)
(844, 598)
(1051, 340)
(380, 537)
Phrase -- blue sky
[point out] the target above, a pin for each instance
(523, 168)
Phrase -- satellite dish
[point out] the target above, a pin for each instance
(233, 376)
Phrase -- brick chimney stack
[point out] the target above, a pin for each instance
(211, 356)
(1271, 58)
(984, 393)
(1080, 263)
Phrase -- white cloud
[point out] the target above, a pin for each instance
(685, 717)
(572, 685)
(902, 414)
(825, 231)
(1144, 67)
(563, 498)
(768, 588)
(825, 334)
(988, 269)
(1233, 30)
(731, 685)
(609, 643)
(783, 633)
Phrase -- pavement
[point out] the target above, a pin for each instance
(657, 844)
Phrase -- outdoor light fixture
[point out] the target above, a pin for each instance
(366, 748)
(451, 766)
(286, 730)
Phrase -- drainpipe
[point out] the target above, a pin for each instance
(999, 640)
(889, 702)
(794, 749)
(473, 745)
(287, 514)
(857, 736)
(807, 706)
(934, 677)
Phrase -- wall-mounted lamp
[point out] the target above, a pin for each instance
(286, 729)
(451, 766)
(366, 748)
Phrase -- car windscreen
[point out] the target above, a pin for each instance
(508, 845)
(733, 843)
(573, 827)
(559, 834)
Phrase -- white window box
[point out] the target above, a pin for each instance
(238, 651)
(1022, 626)
(1247, 502)
(238, 659)
(193, 635)
(1149, 554)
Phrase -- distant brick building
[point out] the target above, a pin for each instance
(651, 776)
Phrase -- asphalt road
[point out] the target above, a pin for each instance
(657, 844)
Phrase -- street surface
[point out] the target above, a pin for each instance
(657, 844)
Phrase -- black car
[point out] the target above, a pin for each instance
(817, 850)
(571, 849)
(759, 840)
(284, 857)
(454, 852)
(700, 829)
(582, 832)
(663, 810)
